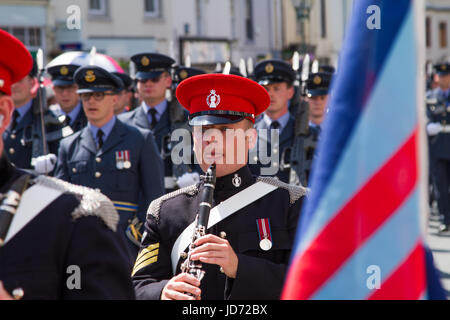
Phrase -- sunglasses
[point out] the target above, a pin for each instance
(98, 96)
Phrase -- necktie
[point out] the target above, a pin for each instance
(100, 138)
(14, 122)
(152, 113)
(275, 125)
(67, 121)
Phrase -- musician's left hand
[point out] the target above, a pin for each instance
(215, 250)
(4, 295)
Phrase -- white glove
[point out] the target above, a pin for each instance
(45, 164)
(434, 128)
(188, 179)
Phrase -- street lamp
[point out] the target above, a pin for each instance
(303, 9)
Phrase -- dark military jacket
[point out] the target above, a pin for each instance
(80, 162)
(77, 229)
(260, 273)
(80, 121)
(286, 139)
(439, 111)
(19, 141)
(174, 117)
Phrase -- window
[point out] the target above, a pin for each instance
(428, 32)
(31, 37)
(34, 37)
(249, 20)
(152, 8)
(97, 7)
(19, 33)
(443, 34)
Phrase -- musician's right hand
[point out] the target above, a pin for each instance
(4, 295)
(178, 286)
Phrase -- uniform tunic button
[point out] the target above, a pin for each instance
(13, 136)
(98, 174)
(98, 160)
(74, 170)
(223, 234)
(11, 150)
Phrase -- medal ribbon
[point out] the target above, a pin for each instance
(264, 229)
(119, 156)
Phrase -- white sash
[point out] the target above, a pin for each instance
(33, 201)
(220, 212)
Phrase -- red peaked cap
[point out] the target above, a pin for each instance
(219, 98)
(15, 61)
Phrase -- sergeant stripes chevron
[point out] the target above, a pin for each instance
(147, 256)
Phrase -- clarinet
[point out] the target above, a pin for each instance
(9, 204)
(190, 266)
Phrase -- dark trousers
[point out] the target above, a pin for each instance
(442, 180)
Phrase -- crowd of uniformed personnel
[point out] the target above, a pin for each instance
(438, 130)
(131, 161)
(96, 136)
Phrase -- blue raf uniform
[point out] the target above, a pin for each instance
(317, 84)
(23, 138)
(438, 128)
(62, 75)
(276, 137)
(161, 119)
(126, 168)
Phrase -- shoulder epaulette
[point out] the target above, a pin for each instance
(295, 192)
(155, 205)
(92, 203)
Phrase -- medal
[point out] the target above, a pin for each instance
(123, 160)
(119, 160)
(126, 163)
(265, 235)
(265, 244)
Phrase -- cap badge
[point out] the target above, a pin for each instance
(2, 83)
(183, 74)
(269, 68)
(63, 71)
(213, 99)
(444, 67)
(145, 61)
(236, 180)
(317, 80)
(89, 76)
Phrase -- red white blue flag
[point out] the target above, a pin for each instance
(360, 234)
